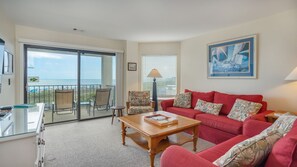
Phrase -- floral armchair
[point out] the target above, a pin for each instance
(139, 102)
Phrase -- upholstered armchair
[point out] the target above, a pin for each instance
(139, 102)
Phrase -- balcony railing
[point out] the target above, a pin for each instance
(46, 93)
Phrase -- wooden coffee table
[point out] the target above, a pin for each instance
(155, 138)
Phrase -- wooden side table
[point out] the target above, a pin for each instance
(272, 117)
(119, 109)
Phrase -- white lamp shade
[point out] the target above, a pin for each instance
(154, 74)
(292, 75)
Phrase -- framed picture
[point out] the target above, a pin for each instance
(132, 66)
(234, 58)
(7, 63)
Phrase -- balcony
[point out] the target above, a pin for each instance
(46, 94)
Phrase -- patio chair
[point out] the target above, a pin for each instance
(64, 101)
(139, 102)
(100, 101)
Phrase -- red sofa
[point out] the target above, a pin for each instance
(213, 128)
(283, 154)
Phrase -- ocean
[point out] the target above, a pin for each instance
(66, 82)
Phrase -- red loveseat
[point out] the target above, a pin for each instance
(213, 128)
(283, 154)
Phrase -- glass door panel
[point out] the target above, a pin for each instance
(97, 85)
(51, 78)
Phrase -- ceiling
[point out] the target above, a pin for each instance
(139, 20)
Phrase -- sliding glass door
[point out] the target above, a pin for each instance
(52, 79)
(97, 84)
(73, 84)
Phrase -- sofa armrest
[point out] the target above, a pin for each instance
(260, 116)
(176, 156)
(253, 127)
(167, 103)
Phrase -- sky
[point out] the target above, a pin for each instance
(49, 65)
(166, 65)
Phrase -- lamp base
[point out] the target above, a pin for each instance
(155, 99)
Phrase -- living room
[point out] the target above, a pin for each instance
(133, 30)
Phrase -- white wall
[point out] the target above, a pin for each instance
(277, 56)
(52, 37)
(7, 33)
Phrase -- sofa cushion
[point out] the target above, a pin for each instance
(250, 152)
(229, 99)
(221, 122)
(284, 151)
(206, 96)
(208, 107)
(213, 153)
(243, 109)
(183, 100)
(187, 112)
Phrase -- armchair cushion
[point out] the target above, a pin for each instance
(139, 98)
(183, 100)
(140, 109)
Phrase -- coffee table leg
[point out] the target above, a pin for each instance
(195, 137)
(123, 133)
(153, 144)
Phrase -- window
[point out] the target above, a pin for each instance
(167, 66)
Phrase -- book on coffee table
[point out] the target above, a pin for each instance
(160, 120)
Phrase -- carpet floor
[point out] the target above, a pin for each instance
(97, 143)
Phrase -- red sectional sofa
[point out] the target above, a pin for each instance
(213, 128)
(283, 154)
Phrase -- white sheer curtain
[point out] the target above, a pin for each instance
(119, 79)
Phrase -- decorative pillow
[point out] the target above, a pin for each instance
(284, 124)
(139, 98)
(208, 107)
(250, 152)
(243, 109)
(183, 100)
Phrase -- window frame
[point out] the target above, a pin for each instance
(141, 68)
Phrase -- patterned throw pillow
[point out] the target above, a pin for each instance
(183, 100)
(283, 124)
(208, 107)
(242, 109)
(250, 152)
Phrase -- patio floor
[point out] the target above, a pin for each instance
(67, 115)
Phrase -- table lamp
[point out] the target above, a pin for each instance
(155, 74)
(292, 76)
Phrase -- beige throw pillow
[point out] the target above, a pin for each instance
(250, 152)
(243, 109)
(183, 100)
(208, 107)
